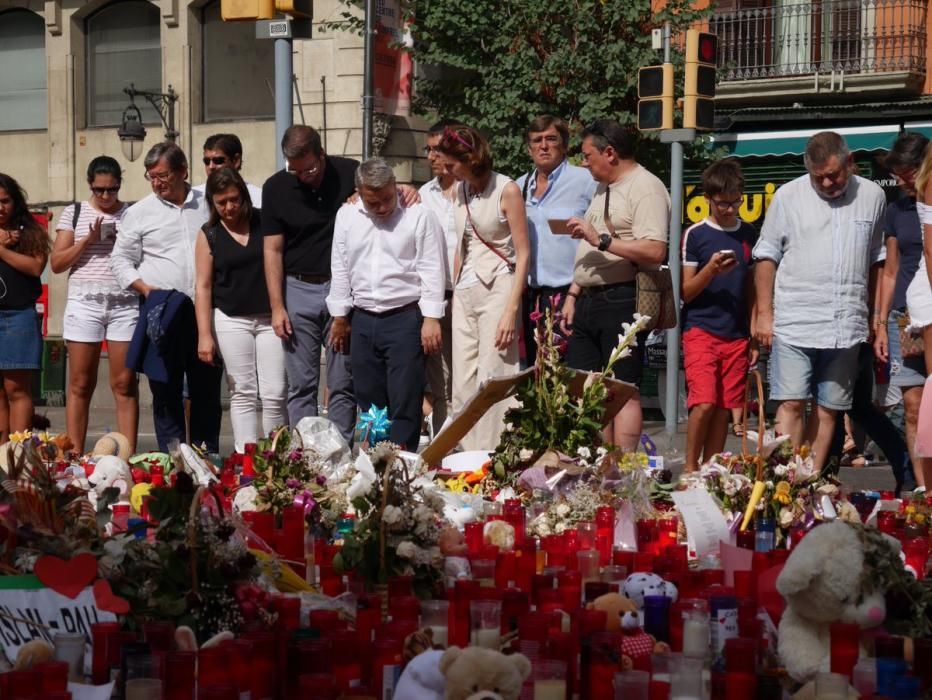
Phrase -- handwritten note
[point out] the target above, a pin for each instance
(705, 524)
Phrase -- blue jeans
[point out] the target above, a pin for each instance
(310, 324)
(827, 374)
(388, 364)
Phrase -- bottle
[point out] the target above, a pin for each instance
(764, 534)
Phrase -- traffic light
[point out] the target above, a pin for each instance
(655, 97)
(699, 85)
(252, 10)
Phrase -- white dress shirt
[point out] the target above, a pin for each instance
(824, 250)
(255, 193)
(444, 209)
(381, 264)
(156, 243)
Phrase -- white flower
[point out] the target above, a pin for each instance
(392, 515)
(600, 452)
(786, 517)
(407, 550)
(363, 479)
(584, 452)
(542, 529)
(563, 510)
(525, 454)
(781, 470)
(730, 487)
(560, 528)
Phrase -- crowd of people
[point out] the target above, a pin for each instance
(416, 297)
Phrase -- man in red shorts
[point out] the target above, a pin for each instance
(717, 291)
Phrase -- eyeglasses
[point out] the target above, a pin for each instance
(724, 206)
(159, 177)
(431, 149)
(100, 191)
(215, 160)
(307, 172)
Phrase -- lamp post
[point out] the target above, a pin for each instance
(132, 133)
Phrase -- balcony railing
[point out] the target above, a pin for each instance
(787, 38)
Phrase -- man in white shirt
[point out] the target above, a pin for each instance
(388, 276)
(226, 151)
(818, 255)
(155, 251)
(439, 195)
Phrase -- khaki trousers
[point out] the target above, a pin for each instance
(440, 373)
(476, 313)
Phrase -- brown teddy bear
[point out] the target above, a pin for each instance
(623, 616)
(475, 673)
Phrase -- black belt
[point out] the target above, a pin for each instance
(311, 279)
(548, 291)
(390, 312)
(591, 291)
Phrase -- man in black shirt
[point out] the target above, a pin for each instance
(298, 212)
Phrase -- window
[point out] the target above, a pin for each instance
(23, 92)
(238, 69)
(123, 47)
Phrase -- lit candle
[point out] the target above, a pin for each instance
(696, 636)
(487, 638)
(440, 635)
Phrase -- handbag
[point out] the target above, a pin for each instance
(654, 295)
(911, 345)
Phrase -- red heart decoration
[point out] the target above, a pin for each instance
(67, 577)
(107, 601)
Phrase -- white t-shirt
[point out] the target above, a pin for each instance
(92, 269)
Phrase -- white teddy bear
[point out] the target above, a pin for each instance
(641, 584)
(823, 582)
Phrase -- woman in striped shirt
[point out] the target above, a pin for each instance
(97, 309)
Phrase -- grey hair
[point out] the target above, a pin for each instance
(171, 152)
(300, 140)
(822, 146)
(374, 174)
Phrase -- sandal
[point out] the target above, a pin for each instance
(737, 429)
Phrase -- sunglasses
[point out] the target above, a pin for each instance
(215, 160)
(452, 134)
(98, 191)
(309, 172)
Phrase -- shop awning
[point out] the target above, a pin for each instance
(793, 142)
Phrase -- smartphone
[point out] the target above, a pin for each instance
(729, 253)
(107, 230)
(558, 226)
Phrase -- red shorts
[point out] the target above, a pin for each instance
(716, 369)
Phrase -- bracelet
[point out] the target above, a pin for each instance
(575, 295)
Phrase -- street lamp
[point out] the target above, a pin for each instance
(132, 133)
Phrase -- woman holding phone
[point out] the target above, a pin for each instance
(97, 308)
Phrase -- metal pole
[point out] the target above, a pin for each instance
(368, 88)
(671, 400)
(284, 70)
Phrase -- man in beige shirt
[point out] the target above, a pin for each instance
(625, 226)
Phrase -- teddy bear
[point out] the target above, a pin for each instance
(473, 673)
(623, 616)
(110, 472)
(641, 584)
(824, 581)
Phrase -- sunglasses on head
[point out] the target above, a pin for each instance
(451, 133)
(104, 190)
(216, 160)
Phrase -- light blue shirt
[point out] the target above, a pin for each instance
(569, 191)
(824, 250)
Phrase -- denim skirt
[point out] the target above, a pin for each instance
(20, 339)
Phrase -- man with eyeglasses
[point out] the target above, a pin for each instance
(625, 226)
(154, 255)
(817, 260)
(554, 191)
(226, 151)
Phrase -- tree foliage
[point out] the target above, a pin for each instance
(497, 64)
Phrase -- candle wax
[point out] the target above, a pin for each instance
(696, 638)
(440, 635)
(489, 638)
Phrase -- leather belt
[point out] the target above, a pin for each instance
(311, 279)
(590, 291)
(391, 312)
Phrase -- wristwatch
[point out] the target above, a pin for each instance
(605, 240)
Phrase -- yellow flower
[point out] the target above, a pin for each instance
(782, 493)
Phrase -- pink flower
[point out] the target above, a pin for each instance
(536, 316)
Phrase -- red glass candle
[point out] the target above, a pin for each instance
(844, 647)
(263, 662)
(368, 616)
(464, 592)
(159, 635)
(605, 533)
(599, 666)
(916, 550)
(213, 667)
(570, 546)
(506, 569)
(886, 521)
(289, 612)
(515, 604)
(745, 584)
(219, 691)
(643, 562)
(623, 557)
(23, 684)
(515, 515)
(100, 636)
(262, 525)
(404, 608)
(678, 554)
(668, 531)
(400, 587)
(318, 686)
(646, 534)
(741, 655)
(740, 686)
(240, 652)
(713, 577)
(569, 586)
(535, 626)
(539, 583)
(658, 690)
(388, 664)
(347, 669)
(745, 539)
(474, 538)
(292, 537)
(178, 683)
(54, 676)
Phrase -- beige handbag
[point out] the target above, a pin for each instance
(654, 288)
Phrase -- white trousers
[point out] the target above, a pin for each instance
(255, 364)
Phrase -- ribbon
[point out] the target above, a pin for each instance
(374, 425)
(306, 501)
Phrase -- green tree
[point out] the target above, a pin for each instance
(495, 64)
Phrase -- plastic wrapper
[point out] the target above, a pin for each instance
(322, 436)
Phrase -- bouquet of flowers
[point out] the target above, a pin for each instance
(549, 417)
(398, 522)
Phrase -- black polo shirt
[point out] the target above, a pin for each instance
(305, 215)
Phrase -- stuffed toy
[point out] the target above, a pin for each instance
(111, 471)
(639, 585)
(623, 616)
(472, 673)
(113, 443)
(827, 578)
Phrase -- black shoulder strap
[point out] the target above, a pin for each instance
(527, 184)
(77, 213)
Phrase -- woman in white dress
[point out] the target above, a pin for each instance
(919, 303)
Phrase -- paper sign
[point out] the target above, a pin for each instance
(79, 691)
(705, 524)
(734, 559)
(498, 389)
(42, 613)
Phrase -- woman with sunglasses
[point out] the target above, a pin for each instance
(97, 309)
(489, 276)
(234, 316)
(24, 247)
